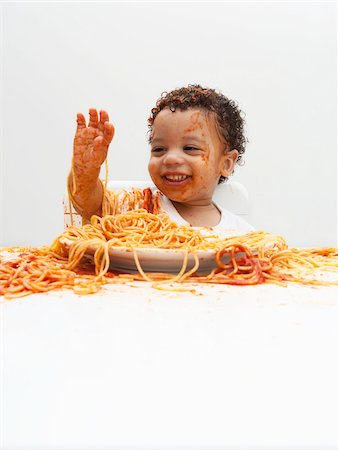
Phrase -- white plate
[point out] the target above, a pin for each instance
(155, 259)
(164, 260)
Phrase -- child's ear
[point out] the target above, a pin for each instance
(229, 161)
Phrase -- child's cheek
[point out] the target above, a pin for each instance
(152, 168)
(205, 158)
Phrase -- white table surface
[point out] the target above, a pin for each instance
(135, 368)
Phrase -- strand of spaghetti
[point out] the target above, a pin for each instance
(179, 276)
(106, 179)
(104, 187)
(102, 260)
(139, 268)
(171, 280)
(78, 250)
(159, 285)
(70, 206)
(193, 269)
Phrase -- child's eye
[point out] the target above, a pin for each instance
(158, 150)
(191, 149)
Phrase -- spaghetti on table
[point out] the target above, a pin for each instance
(253, 258)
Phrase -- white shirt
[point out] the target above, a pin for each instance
(228, 224)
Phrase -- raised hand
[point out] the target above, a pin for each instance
(91, 142)
(89, 152)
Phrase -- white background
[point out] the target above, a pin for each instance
(277, 60)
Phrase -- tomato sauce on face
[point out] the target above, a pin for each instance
(186, 145)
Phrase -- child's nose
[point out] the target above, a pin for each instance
(174, 157)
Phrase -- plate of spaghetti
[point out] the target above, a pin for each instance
(151, 259)
(141, 246)
(138, 240)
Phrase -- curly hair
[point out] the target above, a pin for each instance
(229, 118)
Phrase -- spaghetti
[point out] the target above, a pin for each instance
(116, 202)
(254, 258)
(27, 270)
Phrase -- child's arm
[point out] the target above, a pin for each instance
(89, 152)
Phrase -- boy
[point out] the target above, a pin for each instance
(196, 138)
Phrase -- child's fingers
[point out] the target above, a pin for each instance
(93, 118)
(81, 121)
(108, 132)
(104, 117)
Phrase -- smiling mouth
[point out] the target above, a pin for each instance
(176, 178)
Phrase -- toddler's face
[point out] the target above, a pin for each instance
(188, 156)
